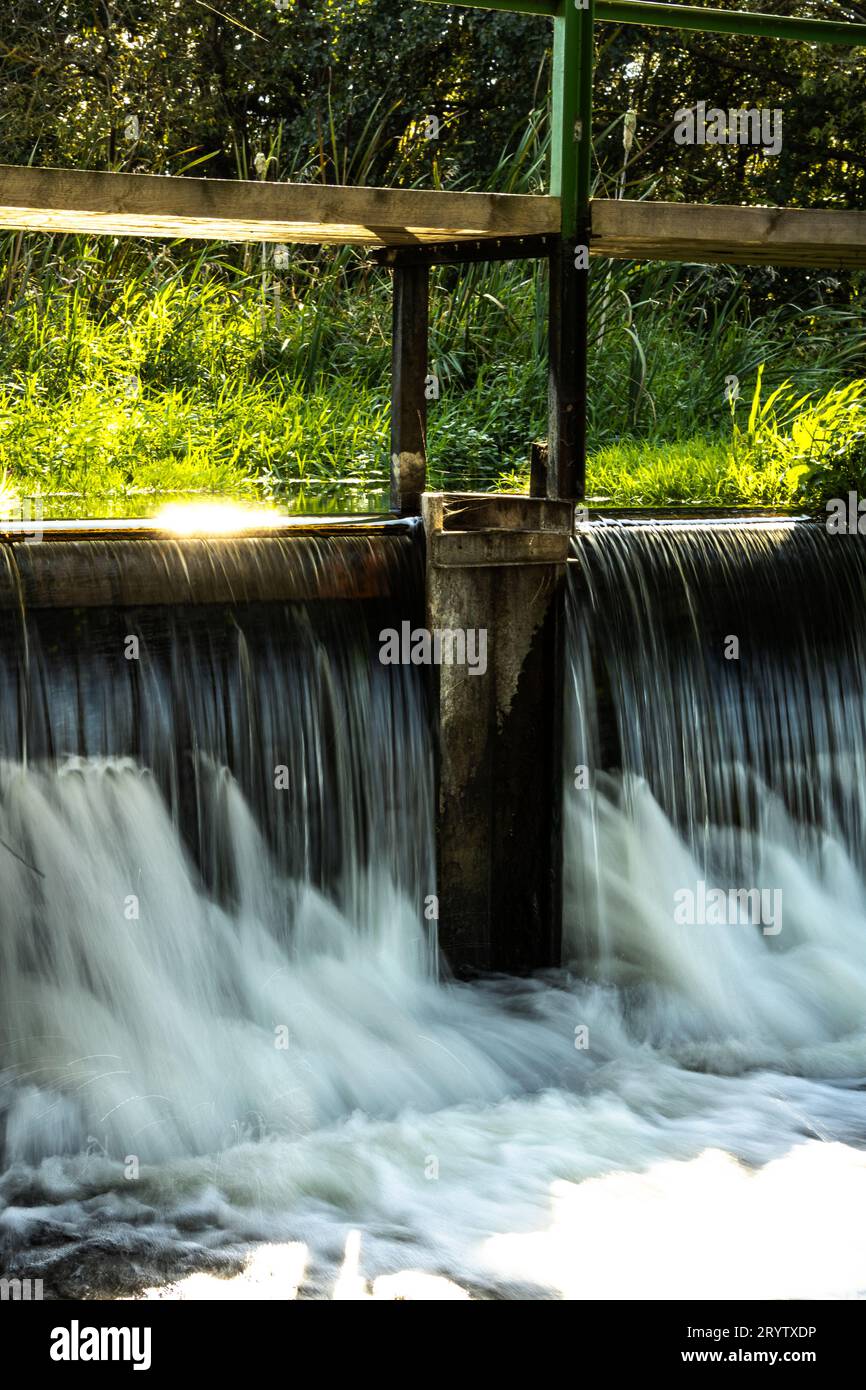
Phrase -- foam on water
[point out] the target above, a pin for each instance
(707, 1141)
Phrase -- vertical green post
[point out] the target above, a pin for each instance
(572, 111)
(570, 178)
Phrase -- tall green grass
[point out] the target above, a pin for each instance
(132, 366)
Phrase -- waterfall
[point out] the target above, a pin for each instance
(193, 802)
(226, 1039)
(718, 705)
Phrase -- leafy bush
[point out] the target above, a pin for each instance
(813, 449)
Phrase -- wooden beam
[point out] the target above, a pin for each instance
(409, 388)
(76, 200)
(567, 374)
(829, 238)
(571, 181)
(538, 464)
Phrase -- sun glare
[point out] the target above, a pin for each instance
(215, 518)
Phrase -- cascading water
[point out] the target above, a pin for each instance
(193, 802)
(221, 1021)
(719, 696)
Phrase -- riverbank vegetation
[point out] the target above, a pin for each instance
(132, 368)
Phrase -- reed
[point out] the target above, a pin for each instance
(128, 366)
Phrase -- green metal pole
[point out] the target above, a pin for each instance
(565, 116)
(571, 131)
(710, 21)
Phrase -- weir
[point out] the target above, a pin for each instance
(199, 788)
(249, 866)
(218, 859)
(122, 641)
(716, 682)
(493, 565)
(221, 895)
(232, 655)
(203, 657)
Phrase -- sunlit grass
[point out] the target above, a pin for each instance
(129, 369)
(633, 473)
(640, 473)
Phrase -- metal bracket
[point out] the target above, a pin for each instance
(505, 248)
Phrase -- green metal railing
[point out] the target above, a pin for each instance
(570, 172)
(672, 16)
(712, 21)
(688, 17)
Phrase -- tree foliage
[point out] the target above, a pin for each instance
(335, 90)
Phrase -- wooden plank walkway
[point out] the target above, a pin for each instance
(833, 239)
(73, 200)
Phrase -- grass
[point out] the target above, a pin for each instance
(636, 474)
(244, 439)
(128, 369)
(131, 368)
(782, 450)
(125, 373)
(700, 471)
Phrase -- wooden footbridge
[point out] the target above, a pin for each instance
(492, 562)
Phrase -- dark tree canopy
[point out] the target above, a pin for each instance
(336, 89)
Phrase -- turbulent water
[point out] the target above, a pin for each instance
(225, 1044)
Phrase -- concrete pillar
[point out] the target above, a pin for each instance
(497, 563)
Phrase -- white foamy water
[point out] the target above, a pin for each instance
(457, 1129)
(228, 1068)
